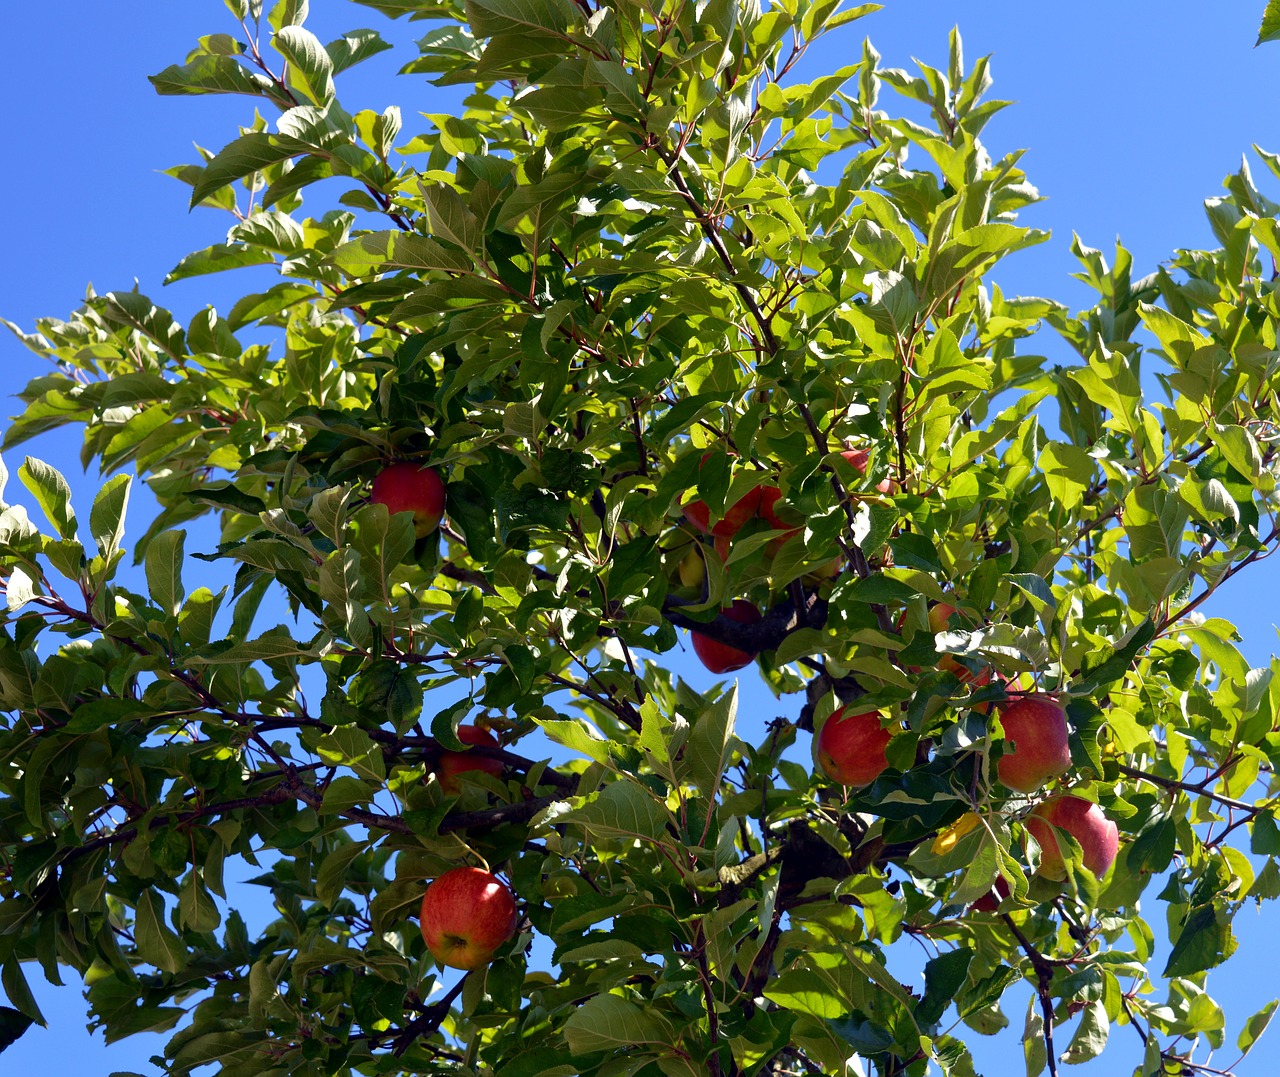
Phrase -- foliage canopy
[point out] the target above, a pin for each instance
(646, 263)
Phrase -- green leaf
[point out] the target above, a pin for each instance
(805, 991)
(1257, 1024)
(1090, 1036)
(622, 810)
(216, 259)
(944, 975)
(196, 908)
(310, 69)
(345, 793)
(164, 570)
(383, 252)
(249, 153)
(52, 493)
(1033, 1047)
(331, 879)
(17, 991)
(349, 746)
(493, 18)
(609, 1023)
(1240, 448)
(215, 74)
(156, 941)
(1205, 942)
(1270, 28)
(1068, 470)
(288, 13)
(353, 47)
(711, 744)
(13, 1023)
(106, 518)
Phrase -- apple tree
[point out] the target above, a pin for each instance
(680, 331)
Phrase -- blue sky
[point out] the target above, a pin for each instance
(1132, 114)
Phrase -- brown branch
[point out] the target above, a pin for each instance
(764, 635)
(1173, 785)
(427, 1022)
(712, 232)
(1044, 976)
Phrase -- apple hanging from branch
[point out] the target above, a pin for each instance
(858, 459)
(1098, 836)
(851, 747)
(467, 913)
(406, 486)
(721, 657)
(451, 765)
(1035, 743)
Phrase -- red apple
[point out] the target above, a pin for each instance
(1098, 836)
(409, 487)
(467, 914)
(754, 503)
(769, 498)
(451, 764)
(939, 615)
(720, 657)
(851, 747)
(858, 459)
(990, 901)
(1035, 739)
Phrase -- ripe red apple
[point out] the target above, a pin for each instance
(406, 486)
(939, 615)
(858, 459)
(851, 747)
(1035, 739)
(451, 764)
(757, 502)
(467, 914)
(990, 901)
(720, 657)
(1098, 836)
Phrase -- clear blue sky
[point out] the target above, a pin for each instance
(1132, 112)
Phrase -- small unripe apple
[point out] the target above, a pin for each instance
(409, 487)
(692, 569)
(452, 764)
(720, 657)
(1098, 836)
(851, 747)
(1035, 743)
(467, 914)
(990, 901)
